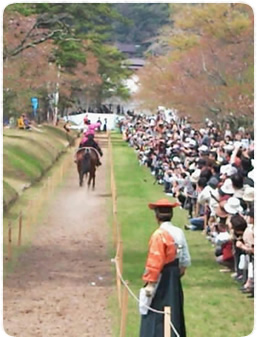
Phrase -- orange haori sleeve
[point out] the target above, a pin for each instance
(162, 250)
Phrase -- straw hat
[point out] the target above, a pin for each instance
(163, 203)
(248, 194)
(232, 206)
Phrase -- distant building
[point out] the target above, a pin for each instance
(134, 63)
(129, 50)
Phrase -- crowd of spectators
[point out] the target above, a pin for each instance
(210, 172)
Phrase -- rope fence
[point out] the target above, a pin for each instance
(21, 225)
(123, 288)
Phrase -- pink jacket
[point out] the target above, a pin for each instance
(90, 131)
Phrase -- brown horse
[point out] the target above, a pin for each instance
(86, 159)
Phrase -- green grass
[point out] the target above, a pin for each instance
(34, 193)
(27, 155)
(214, 306)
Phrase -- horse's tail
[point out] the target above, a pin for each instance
(86, 163)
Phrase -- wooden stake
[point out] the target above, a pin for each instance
(121, 256)
(9, 241)
(118, 282)
(167, 318)
(114, 228)
(124, 311)
(20, 229)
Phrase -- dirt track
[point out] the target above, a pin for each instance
(62, 283)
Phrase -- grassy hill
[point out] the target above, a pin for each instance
(27, 155)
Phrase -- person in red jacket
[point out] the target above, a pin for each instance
(167, 260)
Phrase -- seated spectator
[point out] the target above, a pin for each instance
(198, 222)
(20, 122)
(247, 245)
(27, 123)
(238, 226)
(223, 243)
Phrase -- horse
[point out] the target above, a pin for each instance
(86, 158)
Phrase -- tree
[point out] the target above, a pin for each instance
(76, 34)
(210, 69)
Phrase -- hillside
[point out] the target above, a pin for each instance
(27, 155)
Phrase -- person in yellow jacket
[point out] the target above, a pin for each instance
(20, 121)
(167, 259)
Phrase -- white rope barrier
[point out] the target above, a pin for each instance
(135, 297)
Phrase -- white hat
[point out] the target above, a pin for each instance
(202, 131)
(239, 193)
(228, 169)
(203, 148)
(192, 166)
(195, 176)
(176, 159)
(232, 206)
(228, 147)
(248, 194)
(192, 142)
(251, 175)
(227, 187)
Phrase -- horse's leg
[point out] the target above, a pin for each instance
(93, 187)
(81, 174)
(79, 166)
(89, 180)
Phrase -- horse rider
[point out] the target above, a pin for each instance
(88, 141)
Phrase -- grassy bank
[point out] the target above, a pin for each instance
(214, 306)
(30, 159)
(27, 155)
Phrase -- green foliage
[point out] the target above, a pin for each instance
(143, 21)
(111, 71)
(69, 54)
(24, 9)
(9, 194)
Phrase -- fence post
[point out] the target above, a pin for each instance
(121, 256)
(118, 281)
(115, 235)
(20, 229)
(9, 241)
(124, 310)
(167, 318)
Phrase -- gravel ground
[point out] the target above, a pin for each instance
(62, 283)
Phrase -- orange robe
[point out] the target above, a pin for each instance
(162, 250)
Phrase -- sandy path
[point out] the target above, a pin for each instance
(51, 291)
